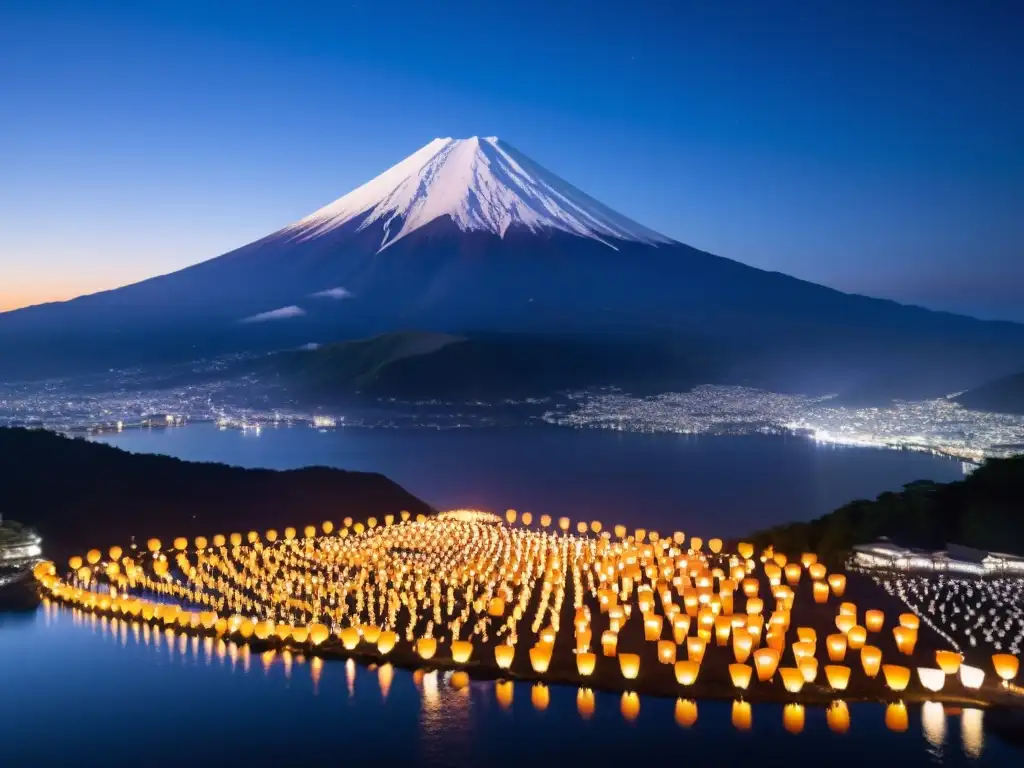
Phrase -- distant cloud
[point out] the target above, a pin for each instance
(276, 314)
(334, 293)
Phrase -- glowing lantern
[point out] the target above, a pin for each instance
(695, 648)
(838, 717)
(153, 545)
(906, 639)
(715, 545)
(318, 633)
(609, 642)
(767, 661)
(817, 571)
(686, 672)
(461, 651)
(838, 676)
(547, 635)
(581, 527)
(289, 533)
(545, 521)
(686, 712)
(897, 678)
(540, 697)
(503, 655)
(696, 543)
(115, 553)
(271, 535)
(680, 628)
(219, 540)
(723, 626)
(666, 652)
(792, 679)
(807, 559)
(873, 620)
(896, 718)
(585, 703)
(326, 526)
(931, 679)
(1006, 666)
(264, 629)
(652, 628)
(563, 523)
(370, 633)
(820, 592)
(870, 660)
(246, 628)
(459, 680)
(910, 621)
(540, 658)
(386, 642)
(742, 645)
(793, 572)
(808, 667)
(629, 664)
(349, 637)
(740, 675)
(971, 677)
(849, 609)
(745, 550)
(300, 634)
(836, 646)
(496, 606)
(585, 663)
(93, 556)
(510, 516)
(948, 661)
(426, 647)
(856, 637)
(750, 589)
(837, 582)
(845, 622)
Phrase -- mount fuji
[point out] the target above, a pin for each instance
(472, 236)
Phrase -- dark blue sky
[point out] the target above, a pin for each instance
(872, 148)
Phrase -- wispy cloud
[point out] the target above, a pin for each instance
(276, 314)
(334, 293)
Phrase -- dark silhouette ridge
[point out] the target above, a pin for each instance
(981, 511)
(1004, 395)
(78, 494)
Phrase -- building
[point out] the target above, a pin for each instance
(20, 547)
(885, 555)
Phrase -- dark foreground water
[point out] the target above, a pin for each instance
(705, 485)
(82, 691)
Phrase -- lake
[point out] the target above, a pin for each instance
(80, 690)
(705, 485)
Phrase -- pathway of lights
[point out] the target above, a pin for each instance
(466, 588)
(183, 644)
(969, 612)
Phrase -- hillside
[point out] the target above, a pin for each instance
(1005, 395)
(415, 364)
(79, 494)
(982, 511)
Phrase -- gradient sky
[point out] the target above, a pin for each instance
(871, 148)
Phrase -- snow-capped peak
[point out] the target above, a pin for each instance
(482, 184)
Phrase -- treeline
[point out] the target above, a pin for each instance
(984, 510)
(78, 494)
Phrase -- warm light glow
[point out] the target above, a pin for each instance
(948, 661)
(874, 620)
(792, 679)
(629, 664)
(897, 678)
(870, 660)
(971, 677)
(838, 676)
(931, 679)
(896, 718)
(1006, 666)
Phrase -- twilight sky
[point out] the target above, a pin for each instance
(871, 148)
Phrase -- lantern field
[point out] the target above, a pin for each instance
(572, 602)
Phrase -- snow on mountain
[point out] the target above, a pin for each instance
(482, 184)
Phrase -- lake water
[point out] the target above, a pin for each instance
(78, 690)
(705, 485)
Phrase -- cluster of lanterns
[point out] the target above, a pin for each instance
(470, 588)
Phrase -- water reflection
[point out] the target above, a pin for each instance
(446, 722)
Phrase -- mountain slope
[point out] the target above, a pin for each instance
(470, 235)
(418, 365)
(1004, 395)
